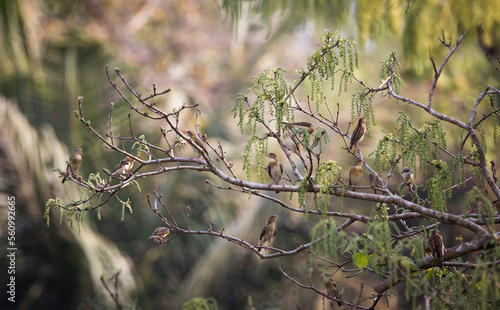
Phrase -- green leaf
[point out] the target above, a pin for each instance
(360, 260)
(429, 274)
(407, 263)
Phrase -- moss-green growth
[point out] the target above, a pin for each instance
(198, 303)
(377, 241)
(126, 205)
(259, 146)
(439, 185)
(333, 242)
(386, 152)
(141, 147)
(457, 163)
(303, 194)
(324, 63)
(327, 175)
(477, 201)
(361, 104)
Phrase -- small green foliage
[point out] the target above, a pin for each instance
(175, 115)
(439, 185)
(137, 184)
(270, 89)
(198, 303)
(377, 241)
(260, 148)
(324, 63)
(303, 197)
(360, 260)
(272, 98)
(327, 174)
(477, 172)
(75, 209)
(239, 110)
(420, 144)
(56, 202)
(332, 241)
(386, 152)
(457, 163)
(361, 104)
(392, 66)
(126, 205)
(250, 305)
(142, 146)
(320, 137)
(482, 136)
(477, 201)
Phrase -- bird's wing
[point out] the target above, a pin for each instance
(268, 168)
(263, 232)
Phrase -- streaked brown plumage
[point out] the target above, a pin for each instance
(359, 133)
(275, 169)
(74, 163)
(374, 182)
(332, 290)
(437, 247)
(356, 173)
(160, 235)
(308, 126)
(268, 232)
(124, 166)
(195, 139)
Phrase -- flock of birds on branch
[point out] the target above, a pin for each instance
(275, 170)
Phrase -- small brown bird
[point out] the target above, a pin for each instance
(274, 168)
(359, 133)
(308, 126)
(124, 166)
(374, 182)
(356, 173)
(160, 235)
(74, 163)
(195, 139)
(407, 176)
(268, 232)
(332, 290)
(437, 248)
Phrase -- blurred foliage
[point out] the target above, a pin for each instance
(200, 304)
(417, 23)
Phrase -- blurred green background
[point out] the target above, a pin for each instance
(207, 51)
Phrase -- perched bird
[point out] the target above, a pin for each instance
(407, 176)
(308, 126)
(436, 246)
(204, 137)
(374, 182)
(332, 290)
(160, 234)
(124, 166)
(74, 163)
(292, 144)
(195, 139)
(275, 169)
(356, 173)
(268, 232)
(359, 133)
